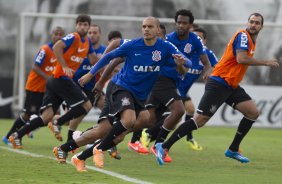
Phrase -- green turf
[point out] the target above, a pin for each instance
(262, 146)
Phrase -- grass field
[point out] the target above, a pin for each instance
(262, 146)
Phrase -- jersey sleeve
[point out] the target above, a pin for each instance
(91, 49)
(241, 42)
(68, 40)
(121, 51)
(212, 57)
(40, 57)
(200, 46)
(172, 49)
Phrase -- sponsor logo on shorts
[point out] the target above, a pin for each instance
(125, 101)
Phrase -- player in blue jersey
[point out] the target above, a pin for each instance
(191, 46)
(145, 58)
(135, 144)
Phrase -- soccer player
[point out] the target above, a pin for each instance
(149, 135)
(145, 58)
(223, 86)
(70, 52)
(42, 68)
(163, 93)
(95, 133)
(94, 33)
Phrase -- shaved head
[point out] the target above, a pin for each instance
(150, 18)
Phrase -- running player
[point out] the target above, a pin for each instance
(135, 80)
(223, 86)
(42, 68)
(70, 52)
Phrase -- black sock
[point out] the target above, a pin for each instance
(180, 132)
(189, 134)
(86, 153)
(32, 125)
(71, 114)
(69, 146)
(155, 130)
(70, 132)
(136, 136)
(162, 135)
(16, 126)
(243, 128)
(116, 130)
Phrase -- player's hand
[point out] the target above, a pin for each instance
(179, 59)
(98, 88)
(68, 71)
(85, 79)
(272, 63)
(207, 73)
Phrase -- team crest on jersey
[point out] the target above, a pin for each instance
(125, 101)
(188, 48)
(156, 55)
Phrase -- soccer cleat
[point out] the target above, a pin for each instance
(79, 164)
(113, 152)
(145, 139)
(160, 153)
(167, 158)
(194, 145)
(98, 157)
(60, 155)
(15, 141)
(30, 135)
(138, 147)
(56, 129)
(6, 141)
(237, 156)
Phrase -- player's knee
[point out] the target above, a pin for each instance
(252, 114)
(87, 106)
(178, 112)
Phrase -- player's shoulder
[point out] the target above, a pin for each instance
(170, 36)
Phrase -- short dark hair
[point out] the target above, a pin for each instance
(162, 26)
(257, 15)
(83, 18)
(185, 12)
(201, 30)
(114, 34)
(95, 25)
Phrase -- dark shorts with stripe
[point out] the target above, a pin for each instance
(59, 90)
(121, 99)
(216, 94)
(33, 102)
(106, 108)
(163, 93)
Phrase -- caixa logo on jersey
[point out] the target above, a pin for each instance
(50, 68)
(156, 55)
(76, 59)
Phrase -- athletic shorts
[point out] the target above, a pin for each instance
(33, 102)
(216, 94)
(105, 111)
(163, 93)
(121, 99)
(59, 90)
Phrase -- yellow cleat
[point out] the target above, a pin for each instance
(145, 139)
(194, 145)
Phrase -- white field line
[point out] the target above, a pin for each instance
(113, 174)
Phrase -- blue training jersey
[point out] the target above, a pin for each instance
(142, 64)
(192, 48)
(86, 66)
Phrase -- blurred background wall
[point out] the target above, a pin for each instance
(37, 29)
